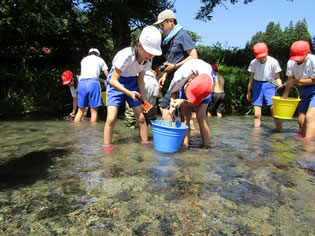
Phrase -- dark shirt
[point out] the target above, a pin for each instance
(178, 46)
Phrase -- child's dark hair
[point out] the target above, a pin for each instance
(75, 80)
(94, 53)
(134, 46)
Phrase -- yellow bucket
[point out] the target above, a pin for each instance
(104, 98)
(285, 108)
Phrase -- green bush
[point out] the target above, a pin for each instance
(30, 90)
(236, 81)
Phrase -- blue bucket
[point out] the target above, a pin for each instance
(167, 139)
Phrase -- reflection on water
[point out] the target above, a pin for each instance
(55, 179)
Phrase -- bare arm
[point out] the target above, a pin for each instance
(105, 73)
(250, 85)
(292, 81)
(74, 106)
(278, 79)
(141, 85)
(115, 83)
(192, 54)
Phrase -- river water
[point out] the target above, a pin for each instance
(55, 179)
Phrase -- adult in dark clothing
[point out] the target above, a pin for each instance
(180, 49)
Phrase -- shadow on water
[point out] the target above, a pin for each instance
(28, 169)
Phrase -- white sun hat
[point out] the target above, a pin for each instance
(150, 39)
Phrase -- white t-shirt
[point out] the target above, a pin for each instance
(125, 61)
(266, 71)
(91, 66)
(304, 70)
(196, 66)
(151, 86)
(74, 92)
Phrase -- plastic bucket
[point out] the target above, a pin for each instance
(167, 139)
(285, 108)
(104, 98)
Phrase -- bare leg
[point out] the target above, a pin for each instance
(110, 124)
(310, 123)
(185, 115)
(79, 115)
(85, 113)
(257, 116)
(277, 121)
(143, 128)
(209, 114)
(301, 121)
(203, 124)
(94, 112)
(219, 115)
(192, 125)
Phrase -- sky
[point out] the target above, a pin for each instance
(237, 24)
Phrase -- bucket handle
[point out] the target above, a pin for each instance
(177, 121)
(297, 91)
(292, 86)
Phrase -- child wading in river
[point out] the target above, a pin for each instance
(125, 80)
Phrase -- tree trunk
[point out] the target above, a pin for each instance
(121, 32)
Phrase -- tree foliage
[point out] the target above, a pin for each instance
(42, 38)
(124, 16)
(279, 41)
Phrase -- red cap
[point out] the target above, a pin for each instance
(260, 50)
(66, 77)
(214, 67)
(199, 88)
(299, 50)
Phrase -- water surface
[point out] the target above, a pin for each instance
(55, 179)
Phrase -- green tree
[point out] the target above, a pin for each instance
(279, 41)
(37, 37)
(195, 37)
(124, 16)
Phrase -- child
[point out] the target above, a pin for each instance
(72, 82)
(125, 79)
(218, 98)
(301, 70)
(192, 86)
(89, 91)
(67, 79)
(263, 69)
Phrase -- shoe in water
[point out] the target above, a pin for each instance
(109, 148)
(147, 143)
(302, 139)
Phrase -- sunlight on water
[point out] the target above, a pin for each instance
(55, 179)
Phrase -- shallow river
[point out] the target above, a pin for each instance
(55, 179)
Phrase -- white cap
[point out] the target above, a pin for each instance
(94, 50)
(150, 40)
(165, 15)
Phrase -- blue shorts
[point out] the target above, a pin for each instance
(261, 90)
(115, 97)
(307, 98)
(89, 93)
